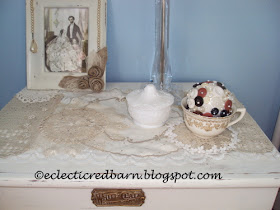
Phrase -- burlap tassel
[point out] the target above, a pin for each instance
(96, 72)
(98, 58)
(83, 83)
(96, 84)
(104, 56)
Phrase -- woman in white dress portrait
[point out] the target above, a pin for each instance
(62, 56)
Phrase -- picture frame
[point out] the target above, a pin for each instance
(66, 32)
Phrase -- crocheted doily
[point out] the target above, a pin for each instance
(33, 96)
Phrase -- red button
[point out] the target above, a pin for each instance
(198, 112)
(207, 114)
(202, 92)
(228, 104)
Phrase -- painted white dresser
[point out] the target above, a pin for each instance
(248, 163)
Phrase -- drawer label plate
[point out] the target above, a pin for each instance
(117, 197)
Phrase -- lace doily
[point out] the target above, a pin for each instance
(33, 96)
(224, 142)
(85, 125)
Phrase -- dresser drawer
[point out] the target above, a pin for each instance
(163, 199)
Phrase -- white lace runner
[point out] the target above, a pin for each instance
(85, 125)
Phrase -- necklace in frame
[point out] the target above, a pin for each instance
(33, 46)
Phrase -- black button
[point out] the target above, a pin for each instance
(221, 85)
(224, 113)
(215, 111)
(198, 101)
(196, 84)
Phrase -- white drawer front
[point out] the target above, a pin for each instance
(156, 199)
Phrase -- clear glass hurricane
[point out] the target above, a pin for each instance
(161, 75)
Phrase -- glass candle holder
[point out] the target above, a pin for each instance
(161, 75)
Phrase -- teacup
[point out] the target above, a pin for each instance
(207, 127)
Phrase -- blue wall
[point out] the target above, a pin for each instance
(236, 42)
(12, 49)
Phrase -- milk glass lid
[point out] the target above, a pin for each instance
(149, 97)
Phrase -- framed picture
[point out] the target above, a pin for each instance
(61, 35)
